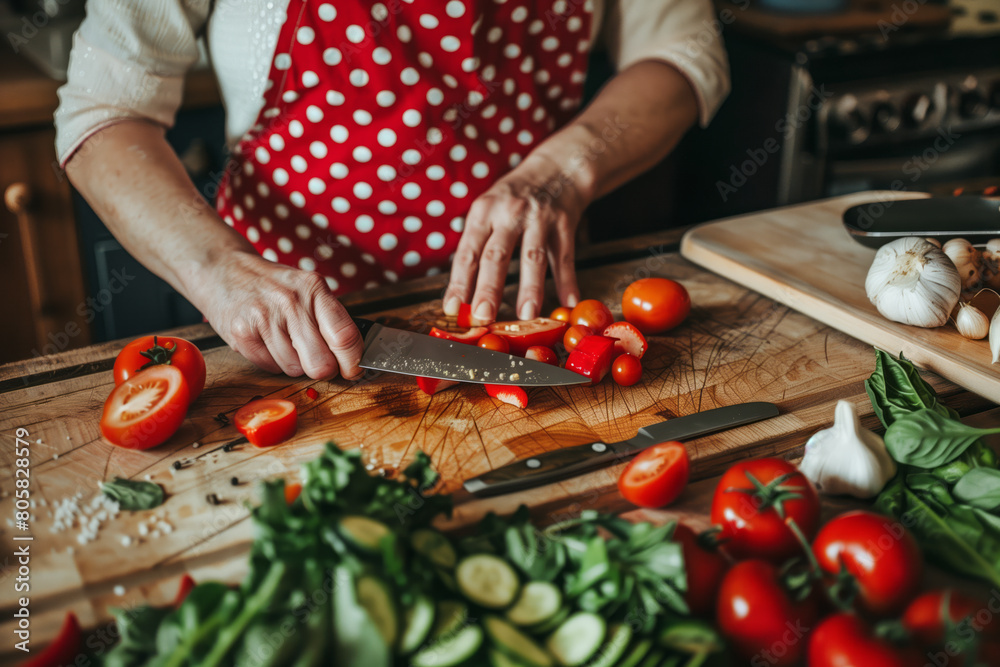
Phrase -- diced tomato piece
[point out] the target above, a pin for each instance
(465, 315)
(64, 649)
(187, 583)
(508, 394)
(312, 394)
(546, 355)
(267, 421)
(432, 386)
(524, 334)
(628, 339)
(470, 337)
(292, 492)
(592, 357)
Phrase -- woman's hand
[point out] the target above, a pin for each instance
(537, 206)
(280, 318)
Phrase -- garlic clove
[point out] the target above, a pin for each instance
(995, 336)
(971, 322)
(967, 259)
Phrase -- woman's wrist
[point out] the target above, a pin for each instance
(572, 164)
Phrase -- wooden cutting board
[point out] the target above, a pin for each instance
(803, 257)
(736, 346)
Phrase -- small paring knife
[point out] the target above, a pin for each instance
(572, 461)
(410, 353)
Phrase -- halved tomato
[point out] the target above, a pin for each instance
(656, 476)
(146, 409)
(267, 421)
(524, 334)
(470, 337)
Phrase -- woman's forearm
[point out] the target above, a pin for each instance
(632, 123)
(137, 185)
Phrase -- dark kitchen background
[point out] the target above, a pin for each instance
(828, 97)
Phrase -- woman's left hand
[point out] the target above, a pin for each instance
(538, 206)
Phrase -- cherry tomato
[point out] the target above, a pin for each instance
(574, 335)
(187, 583)
(751, 525)
(561, 313)
(150, 351)
(591, 313)
(267, 421)
(843, 639)
(146, 409)
(292, 492)
(65, 649)
(878, 552)
(470, 337)
(521, 335)
(764, 623)
(704, 568)
(626, 370)
(546, 355)
(655, 305)
(925, 620)
(494, 342)
(656, 476)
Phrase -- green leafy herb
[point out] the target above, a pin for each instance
(896, 390)
(928, 439)
(132, 495)
(980, 487)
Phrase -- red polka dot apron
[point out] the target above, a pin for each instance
(382, 122)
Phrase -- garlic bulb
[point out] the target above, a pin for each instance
(995, 336)
(846, 459)
(971, 322)
(967, 259)
(913, 282)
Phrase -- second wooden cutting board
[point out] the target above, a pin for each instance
(803, 257)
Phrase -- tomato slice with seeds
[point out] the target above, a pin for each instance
(267, 421)
(521, 335)
(656, 476)
(146, 409)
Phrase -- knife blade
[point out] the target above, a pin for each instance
(876, 223)
(410, 353)
(568, 462)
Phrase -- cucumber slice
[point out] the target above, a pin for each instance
(515, 643)
(418, 620)
(450, 650)
(374, 597)
(488, 581)
(654, 658)
(435, 546)
(577, 639)
(538, 602)
(611, 652)
(638, 652)
(501, 659)
(450, 616)
(551, 624)
(363, 533)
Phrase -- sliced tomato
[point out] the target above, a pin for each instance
(495, 343)
(146, 409)
(432, 386)
(628, 339)
(187, 583)
(574, 335)
(512, 394)
(656, 476)
(626, 370)
(592, 357)
(470, 337)
(151, 351)
(521, 335)
(267, 421)
(64, 649)
(546, 355)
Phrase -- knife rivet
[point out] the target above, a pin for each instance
(533, 463)
(598, 446)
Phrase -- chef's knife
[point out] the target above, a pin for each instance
(410, 353)
(572, 461)
(876, 223)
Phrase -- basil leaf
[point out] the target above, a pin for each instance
(132, 495)
(980, 487)
(927, 439)
(896, 390)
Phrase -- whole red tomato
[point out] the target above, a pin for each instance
(494, 342)
(926, 622)
(655, 305)
(844, 640)
(574, 335)
(656, 476)
(591, 313)
(150, 351)
(626, 370)
(704, 568)
(878, 553)
(759, 616)
(752, 503)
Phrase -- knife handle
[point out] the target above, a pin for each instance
(546, 468)
(363, 325)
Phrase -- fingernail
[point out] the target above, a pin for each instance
(484, 312)
(571, 301)
(527, 310)
(451, 305)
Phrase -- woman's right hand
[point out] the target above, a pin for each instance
(280, 318)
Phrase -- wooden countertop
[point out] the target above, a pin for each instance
(736, 346)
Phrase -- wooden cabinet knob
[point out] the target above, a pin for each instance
(18, 198)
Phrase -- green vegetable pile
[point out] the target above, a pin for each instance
(947, 490)
(352, 573)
